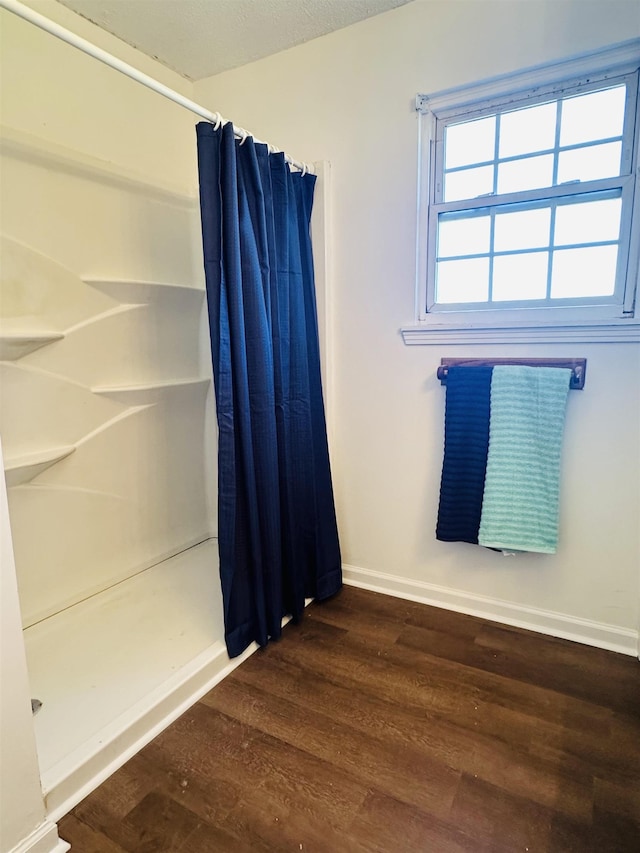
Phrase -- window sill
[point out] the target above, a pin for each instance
(434, 334)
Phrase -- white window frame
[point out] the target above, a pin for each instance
(526, 324)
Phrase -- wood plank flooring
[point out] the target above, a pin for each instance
(382, 725)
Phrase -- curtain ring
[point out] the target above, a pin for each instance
(304, 169)
(219, 121)
(244, 135)
(272, 149)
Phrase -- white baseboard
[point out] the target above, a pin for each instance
(42, 840)
(549, 622)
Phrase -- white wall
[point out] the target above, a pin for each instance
(99, 183)
(348, 98)
(58, 93)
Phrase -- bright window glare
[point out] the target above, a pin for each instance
(524, 229)
(590, 222)
(529, 174)
(597, 115)
(590, 271)
(468, 236)
(470, 142)
(526, 131)
(520, 276)
(462, 281)
(469, 183)
(589, 164)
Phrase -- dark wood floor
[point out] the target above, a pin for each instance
(382, 725)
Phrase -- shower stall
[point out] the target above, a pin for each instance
(108, 433)
(106, 414)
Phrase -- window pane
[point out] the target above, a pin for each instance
(468, 236)
(520, 276)
(584, 272)
(470, 142)
(525, 229)
(598, 115)
(462, 281)
(469, 183)
(525, 174)
(588, 222)
(525, 131)
(589, 164)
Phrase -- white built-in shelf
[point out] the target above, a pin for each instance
(150, 392)
(23, 467)
(135, 292)
(15, 345)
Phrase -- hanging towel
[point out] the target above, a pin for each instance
(466, 441)
(520, 506)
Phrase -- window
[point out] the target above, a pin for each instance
(527, 196)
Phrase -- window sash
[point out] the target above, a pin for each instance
(622, 299)
(491, 108)
(592, 192)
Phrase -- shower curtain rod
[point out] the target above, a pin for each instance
(87, 47)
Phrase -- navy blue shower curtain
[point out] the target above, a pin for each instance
(277, 537)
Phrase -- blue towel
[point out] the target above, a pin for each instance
(522, 484)
(466, 441)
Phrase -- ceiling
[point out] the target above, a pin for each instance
(199, 38)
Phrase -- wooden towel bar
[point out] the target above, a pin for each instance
(577, 365)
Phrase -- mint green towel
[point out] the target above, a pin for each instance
(522, 484)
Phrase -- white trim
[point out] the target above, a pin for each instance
(426, 162)
(321, 248)
(615, 60)
(590, 633)
(43, 840)
(633, 258)
(431, 334)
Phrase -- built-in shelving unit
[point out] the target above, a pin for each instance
(15, 345)
(150, 392)
(108, 433)
(23, 467)
(135, 292)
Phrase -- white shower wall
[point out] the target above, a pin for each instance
(101, 255)
(107, 415)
